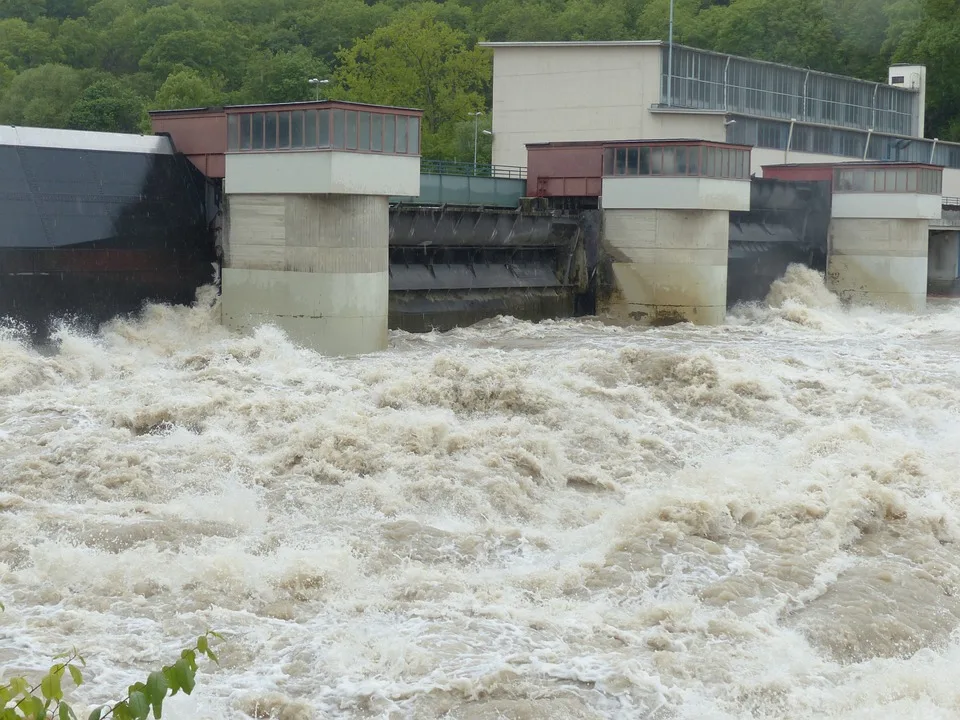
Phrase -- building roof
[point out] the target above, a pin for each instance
(84, 140)
(303, 104)
(574, 43)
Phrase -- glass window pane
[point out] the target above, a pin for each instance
(389, 134)
(338, 139)
(284, 130)
(859, 181)
(245, 139)
(644, 161)
(233, 132)
(413, 135)
(363, 140)
(911, 180)
(270, 132)
(608, 161)
(376, 132)
(257, 131)
(620, 162)
(681, 161)
(296, 129)
(693, 161)
(401, 134)
(633, 161)
(323, 128)
(870, 180)
(656, 161)
(351, 132)
(669, 161)
(901, 181)
(310, 128)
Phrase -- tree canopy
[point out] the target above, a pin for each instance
(100, 64)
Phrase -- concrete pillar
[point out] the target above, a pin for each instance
(943, 259)
(879, 232)
(315, 265)
(669, 265)
(666, 227)
(879, 262)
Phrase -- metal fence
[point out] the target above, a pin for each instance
(449, 167)
(712, 81)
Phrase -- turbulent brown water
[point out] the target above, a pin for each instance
(562, 520)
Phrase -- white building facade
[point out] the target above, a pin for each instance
(575, 91)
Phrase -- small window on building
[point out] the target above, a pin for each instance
(681, 161)
(389, 134)
(310, 128)
(284, 139)
(644, 161)
(901, 181)
(620, 162)
(233, 132)
(323, 128)
(633, 161)
(656, 161)
(669, 161)
(257, 134)
(270, 132)
(693, 161)
(351, 129)
(872, 179)
(376, 132)
(245, 138)
(413, 135)
(911, 181)
(860, 180)
(338, 134)
(296, 129)
(363, 139)
(401, 134)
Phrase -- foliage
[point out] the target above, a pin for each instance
(178, 53)
(107, 106)
(19, 700)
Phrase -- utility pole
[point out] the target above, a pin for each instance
(316, 82)
(670, 60)
(476, 126)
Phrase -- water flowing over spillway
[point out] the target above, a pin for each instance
(562, 520)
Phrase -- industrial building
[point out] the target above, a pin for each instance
(621, 90)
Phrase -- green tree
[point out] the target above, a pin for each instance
(327, 27)
(205, 50)
(108, 106)
(186, 88)
(80, 43)
(41, 96)
(281, 77)
(23, 46)
(418, 61)
(28, 10)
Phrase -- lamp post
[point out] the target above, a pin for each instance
(476, 126)
(316, 82)
(670, 60)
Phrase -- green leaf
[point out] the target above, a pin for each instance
(50, 686)
(191, 657)
(172, 681)
(213, 656)
(64, 711)
(217, 635)
(37, 707)
(19, 686)
(76, 675)
(121, 711)
(156, 687)
(139, 707)
(95, 715)
(185, 675)
(202, 644)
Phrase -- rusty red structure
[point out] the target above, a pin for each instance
(862, 176)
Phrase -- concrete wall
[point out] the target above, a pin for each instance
(571, 92)
(675, 193)
(911, 206)
(322, 172)
(880, 262)
(668, 265)
(316, 265)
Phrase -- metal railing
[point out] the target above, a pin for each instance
(951, 201)
(468, 169)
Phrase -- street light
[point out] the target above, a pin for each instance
(670, 61)
(317, 83)
(476, 125)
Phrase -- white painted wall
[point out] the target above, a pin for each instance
(84, 140)
(906, 206)
(673, 193)
(322, 172)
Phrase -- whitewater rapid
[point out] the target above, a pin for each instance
(514, 520)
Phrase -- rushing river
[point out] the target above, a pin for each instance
(515, 520)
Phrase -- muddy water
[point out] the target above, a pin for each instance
(563, 520)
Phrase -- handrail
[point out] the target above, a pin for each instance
(468, 169)
(951, 201)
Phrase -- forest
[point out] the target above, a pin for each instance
(101, 64)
